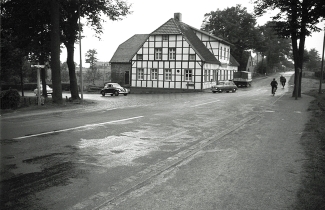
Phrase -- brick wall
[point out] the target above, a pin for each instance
(118, 71)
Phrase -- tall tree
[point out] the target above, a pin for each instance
(235, 25)
(313, 60)
(93, 72)
(24, 34)
(55, 51)
(92, 11)
(295, 19)
(29, 23)
(275, 48)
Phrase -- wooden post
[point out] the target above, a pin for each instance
(38, 87)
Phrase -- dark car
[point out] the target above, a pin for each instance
(114, 89)
(224, 86)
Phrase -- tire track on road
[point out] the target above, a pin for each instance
(116, 193)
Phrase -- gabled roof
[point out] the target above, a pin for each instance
(232, 61)
(129, 48)
(169, 27)
(175, 27)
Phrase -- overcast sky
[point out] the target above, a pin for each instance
(148, 15)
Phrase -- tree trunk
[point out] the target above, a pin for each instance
(22, 76)
(72, 71)
(55, 52)
(294, 49)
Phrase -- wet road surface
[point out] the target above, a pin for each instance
(87, 158)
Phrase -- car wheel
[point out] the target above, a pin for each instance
(116, 93)
(112, 94)
(234, 90)
(213, 91)
(103, 93)
(125, 94)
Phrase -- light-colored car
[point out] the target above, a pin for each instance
(224, 86)
(48, 90)
(114, 89)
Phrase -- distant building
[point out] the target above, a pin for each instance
(175, 56)
(252, 60)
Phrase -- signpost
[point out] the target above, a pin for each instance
(38, 82)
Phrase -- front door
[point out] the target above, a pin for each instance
(127, 77)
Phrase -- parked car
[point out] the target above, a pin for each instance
(224, 86)
(114, 89)
(48, 90)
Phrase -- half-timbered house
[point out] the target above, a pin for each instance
(174, 57)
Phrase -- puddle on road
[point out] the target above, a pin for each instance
(123, 150)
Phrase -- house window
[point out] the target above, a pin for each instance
(154, 74)
(221, 53)
(205, 75)
(225, 55)
(158, 53)
(228, 54)
(168, 74)
(192, 56)
(172, 53)
(139, 57)
(165, 37)
(188, 75)
(140, 74)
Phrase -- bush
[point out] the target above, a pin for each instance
(318, 73)
(10, 99)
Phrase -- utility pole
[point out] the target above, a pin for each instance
(81, 79)
(322, 67)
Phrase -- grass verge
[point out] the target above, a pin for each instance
(312, 193)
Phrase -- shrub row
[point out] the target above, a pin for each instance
(10, 99)
(318, 73)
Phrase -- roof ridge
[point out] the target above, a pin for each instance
(166, 29)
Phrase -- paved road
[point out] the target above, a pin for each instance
(157, 151)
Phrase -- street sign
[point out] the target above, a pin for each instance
(38, 66)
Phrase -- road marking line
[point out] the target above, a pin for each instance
(75, 128)
(205, 103)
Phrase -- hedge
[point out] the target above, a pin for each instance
(10, 99)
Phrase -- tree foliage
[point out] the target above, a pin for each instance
(92, 73)
(26, 27)
(235, 25)
(312, 60)
(295, 19)
(276, 49)
(92, 11)
(24, 34)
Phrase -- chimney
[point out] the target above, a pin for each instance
(178, 16)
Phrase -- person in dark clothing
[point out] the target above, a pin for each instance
(283, 81)
(274, 85)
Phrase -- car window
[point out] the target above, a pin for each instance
(221, 83)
